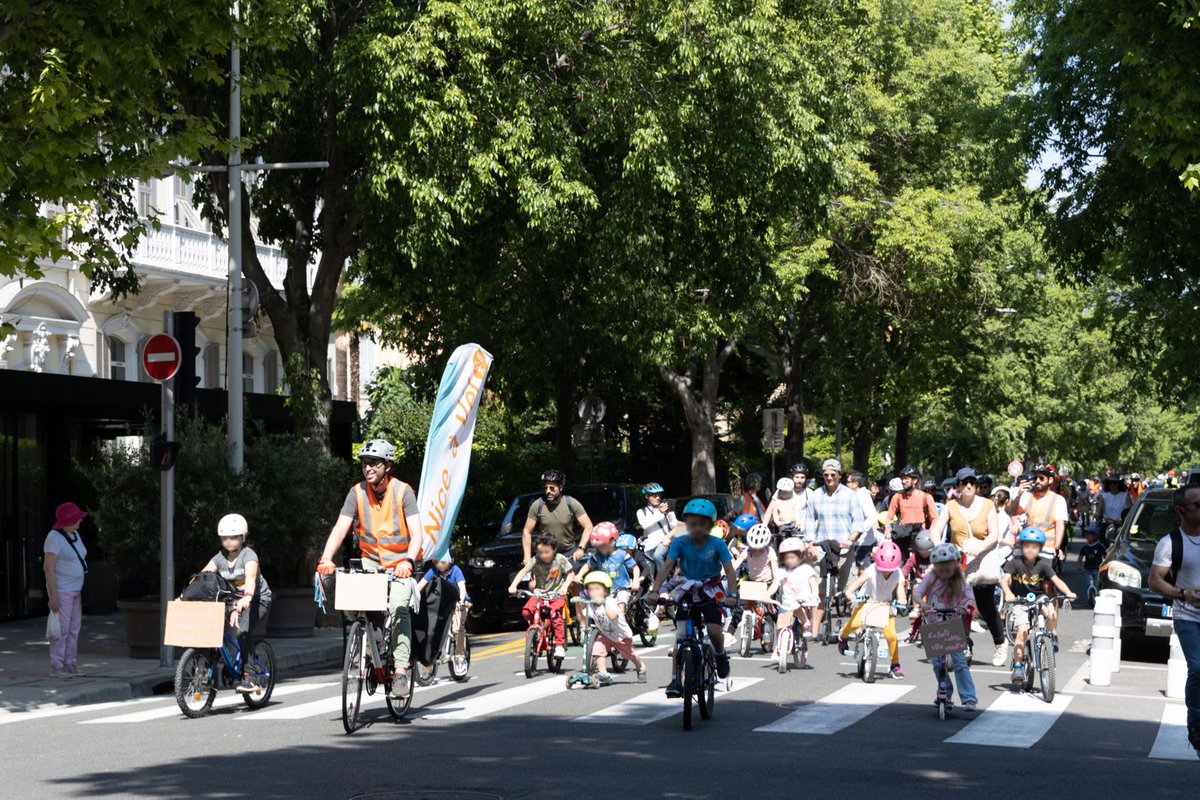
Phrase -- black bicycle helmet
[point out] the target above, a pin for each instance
(909, 472)
(800, 466)
(554, 476)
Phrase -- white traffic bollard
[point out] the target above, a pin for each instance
(1102, 653)
(1117, 597)
(1176, 670)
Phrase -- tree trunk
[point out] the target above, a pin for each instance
(700, 409)
(863, 439)
(901, 456)
(792, 362)
(564, 414)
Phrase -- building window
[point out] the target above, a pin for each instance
(271, 373)
(116, 358)
(247, 373)
(212, 366)
(184, 190)
(145, 200)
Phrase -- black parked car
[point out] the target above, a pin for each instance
(491, 567)
(1127, 565)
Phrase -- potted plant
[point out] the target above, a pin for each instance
(298, 490)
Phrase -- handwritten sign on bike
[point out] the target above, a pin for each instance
(754, 590)
(360, 591)
(943, 637)
(193, 623)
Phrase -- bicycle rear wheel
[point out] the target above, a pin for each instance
(618, 662)
(398, 706)
(352, 678)
(827, 625)
(768, 634)
(1046, 668)
(195, 688)
(745, 633)
(262, 675)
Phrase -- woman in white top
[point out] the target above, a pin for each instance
(657, 521)
(65, 565)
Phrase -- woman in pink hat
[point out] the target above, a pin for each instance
(66, 566)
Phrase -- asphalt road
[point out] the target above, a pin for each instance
(501, 735)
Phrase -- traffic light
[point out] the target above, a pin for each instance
(186, 380)
(163, 453)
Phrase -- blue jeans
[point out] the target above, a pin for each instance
(1189, 639)
(966, 684)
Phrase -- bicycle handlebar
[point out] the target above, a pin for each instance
(541, 594)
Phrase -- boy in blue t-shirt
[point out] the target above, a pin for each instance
(701, 557)
(449, 571)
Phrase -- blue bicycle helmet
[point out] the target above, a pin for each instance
(1031, 534)
(652, 488)
(699, 507)
(626, 540)
(745, 522)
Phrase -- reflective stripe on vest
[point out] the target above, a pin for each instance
(382, 530)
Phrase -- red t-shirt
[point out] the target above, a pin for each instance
(917, 508)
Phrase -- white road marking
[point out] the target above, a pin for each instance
(481, 705)
(224, 700)
(652, 706)
(331, 705)
(839, 710)
(1013, 720)
(1172, 741)
(8, 717)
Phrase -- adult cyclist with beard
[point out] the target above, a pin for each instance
(909, 511)
(383, 512)
(555, 514)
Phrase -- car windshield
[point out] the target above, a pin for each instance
(602, 503)
(1152, 520)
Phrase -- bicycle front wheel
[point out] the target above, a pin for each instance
(785, 650)
(687, 663)
(531, 651)
(460, 665)
(1046, 668)
(195, 688)
(708, 683)
(352, 677)
(262, 675)
(870, 656)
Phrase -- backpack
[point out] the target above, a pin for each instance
(1176, 555)
(204, 586)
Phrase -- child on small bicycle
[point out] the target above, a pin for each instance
(1028, 574)
(549, 571)
(761, 565)
(944, 588)
(617, 564)
(1091, 555)
(238, 565)
(701, 557)
(913, 571)
(881, 582)
(447, 570)
(799, 588)
(613, 631)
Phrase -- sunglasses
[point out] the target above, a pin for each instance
(968, 482)
(372, 463)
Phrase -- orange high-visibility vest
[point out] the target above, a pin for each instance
(381, 528)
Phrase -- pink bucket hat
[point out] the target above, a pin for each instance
(68, 514)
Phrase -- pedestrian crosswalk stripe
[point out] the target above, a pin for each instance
(1013, 720)
(330, 705)
(480, 705)
(1172, 740)
(8, 717)
(839, 710)
(652, 706)
(224, 700)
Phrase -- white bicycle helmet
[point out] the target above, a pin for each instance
(377, 448)
(895, 485)
(232, 525)
(786, 485)
(943, 553)
(758, 536)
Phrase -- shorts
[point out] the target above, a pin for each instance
(621, 596)
(1020, 614)
(832, 558)
(711, 614)
(603, 645)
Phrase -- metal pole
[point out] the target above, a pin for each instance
(233, 354)
(166, 654)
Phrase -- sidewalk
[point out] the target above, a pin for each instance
(25, 681)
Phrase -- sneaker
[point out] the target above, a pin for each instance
(1000, 655)
(400, 683)
(843, 645)
(722, 665)
(673, 689)
(896, 671)
(641, 673)
(977, 626)
(560, 651)
(246, 686)
(970, 706)
(652, 623)
(460, 664)
(75, 671)
(603, 679)
(1018, 674)
(61, 672)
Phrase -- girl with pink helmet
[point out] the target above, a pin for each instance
(881, 581)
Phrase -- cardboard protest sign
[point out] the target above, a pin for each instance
(943, 638)
(194, 624)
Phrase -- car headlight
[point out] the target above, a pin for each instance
(1122, 574)
(481, 562)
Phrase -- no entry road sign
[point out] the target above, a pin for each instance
(160, 357)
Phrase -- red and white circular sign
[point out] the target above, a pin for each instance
(1015, 467)
(160, 357)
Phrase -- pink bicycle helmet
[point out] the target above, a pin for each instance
(791, 545)
(604, 532)
(887, 557)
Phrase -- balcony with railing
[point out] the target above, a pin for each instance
(177, 249)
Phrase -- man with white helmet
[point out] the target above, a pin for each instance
(835, 522)
(238, 565)
(383, 512)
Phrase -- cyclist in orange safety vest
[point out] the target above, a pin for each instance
(383, 512)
